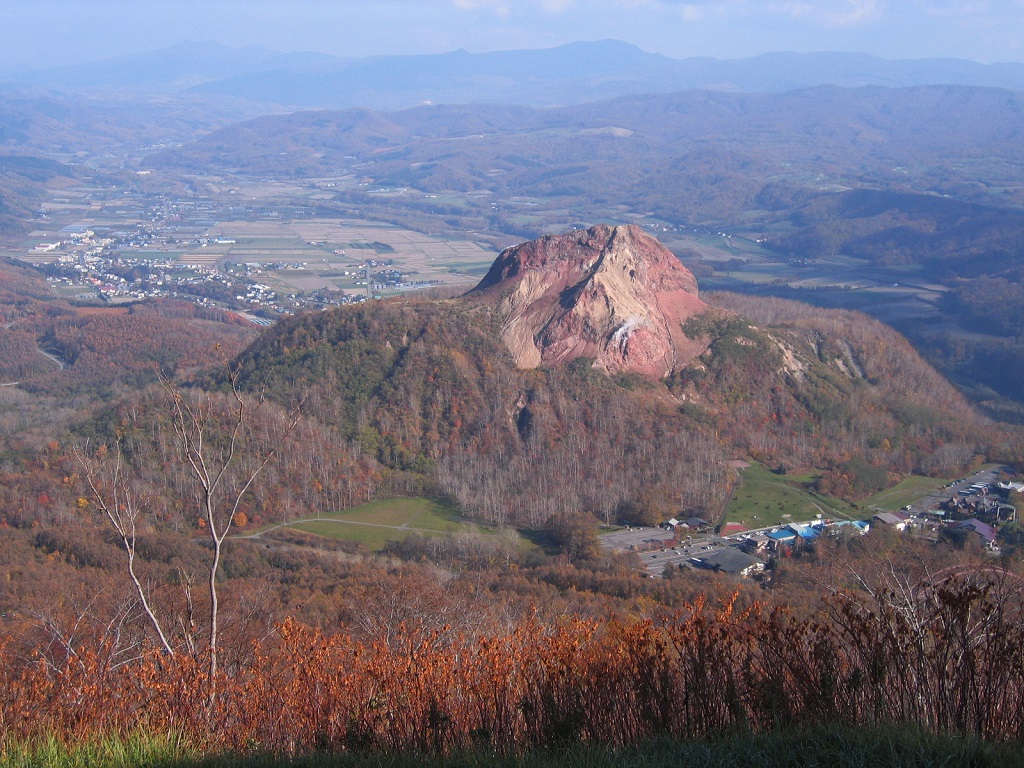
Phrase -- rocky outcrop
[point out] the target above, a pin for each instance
(614, 294)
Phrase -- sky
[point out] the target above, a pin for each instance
(38, 34)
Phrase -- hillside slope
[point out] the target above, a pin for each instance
(431, 386)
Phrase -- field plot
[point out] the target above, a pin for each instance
(379, 522)
(206, 257)
(264, 231)
(764, 499)
(310, 248)
(907, 491)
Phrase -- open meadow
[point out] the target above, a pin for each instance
(379, 523)
(762, 499)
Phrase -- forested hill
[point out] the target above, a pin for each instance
(428, 387)
(22, 180)
(906, 174)
(701, 144)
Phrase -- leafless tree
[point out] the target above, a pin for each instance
(223, 457)
(117, 497)
(221, 452)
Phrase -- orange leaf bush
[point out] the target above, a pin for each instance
(948, 657)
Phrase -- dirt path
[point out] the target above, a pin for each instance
(289, 523)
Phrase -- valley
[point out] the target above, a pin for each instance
(258, 247)
(888, 201)
(614, 414)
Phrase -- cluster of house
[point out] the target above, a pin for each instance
(983, 502)
(782, 540)
(974, 512)
(745, 554)
(936, 521)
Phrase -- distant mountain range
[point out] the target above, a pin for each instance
(176, 68)
(568, 74)
(698, 157)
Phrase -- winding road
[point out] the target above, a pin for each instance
(61, 365)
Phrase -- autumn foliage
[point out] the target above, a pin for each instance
(945, 655)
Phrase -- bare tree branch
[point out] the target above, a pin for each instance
(195, 425)
(113, 494)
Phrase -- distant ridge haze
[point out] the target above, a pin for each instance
(569, 74)
(841, 132)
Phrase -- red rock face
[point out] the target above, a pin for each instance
(611, 293)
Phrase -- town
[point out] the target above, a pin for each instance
(95, 266)
(973, 509)
(99, 246)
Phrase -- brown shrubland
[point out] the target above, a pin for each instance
(944, 654)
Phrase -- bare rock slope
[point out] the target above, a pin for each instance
(614, 294)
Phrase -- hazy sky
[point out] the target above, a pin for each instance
(41, 33)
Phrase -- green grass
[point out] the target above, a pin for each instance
(430, 520)
(373, 538)
(391, 511)
(378, 522)
(101, 752)
(907, 491)
(764, 498)
(842, 747)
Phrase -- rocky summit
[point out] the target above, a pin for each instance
(614, 294)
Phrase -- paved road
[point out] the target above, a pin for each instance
(657, 562)
(61, 365)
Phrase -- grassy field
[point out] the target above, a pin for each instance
(764, 498)
(909, 490)
(378, 522)
(471, 267)
(826, 745)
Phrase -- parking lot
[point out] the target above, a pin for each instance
(962, 487)
(659, 549)
(667, 551)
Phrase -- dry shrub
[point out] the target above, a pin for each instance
(945, 655)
